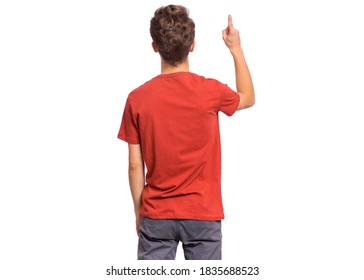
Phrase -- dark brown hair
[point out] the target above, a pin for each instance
(173, 33)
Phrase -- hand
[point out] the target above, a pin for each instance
(137, 221)
(231, 36)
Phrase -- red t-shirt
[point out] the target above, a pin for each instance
(174, 117)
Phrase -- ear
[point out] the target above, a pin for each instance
(193, 46)
(154, 46)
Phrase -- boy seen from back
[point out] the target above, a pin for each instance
(172, 128)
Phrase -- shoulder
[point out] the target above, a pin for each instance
(142, 90)
(209, 83)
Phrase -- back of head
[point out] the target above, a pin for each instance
(173, 33)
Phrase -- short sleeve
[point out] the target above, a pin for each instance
(229, 100)
(129, 131)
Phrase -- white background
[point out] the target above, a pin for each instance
(292, 164)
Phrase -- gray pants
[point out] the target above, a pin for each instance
(158, 239)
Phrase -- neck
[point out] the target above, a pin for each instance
(168, 68)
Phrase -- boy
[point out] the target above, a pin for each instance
(171, 126)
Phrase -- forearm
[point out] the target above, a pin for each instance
(136, 182)
(244, 84)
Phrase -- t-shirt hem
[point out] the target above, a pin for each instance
(237, 105)
(235, 108)
(129, 140)
(184, 217)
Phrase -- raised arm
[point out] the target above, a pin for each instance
(244, 84)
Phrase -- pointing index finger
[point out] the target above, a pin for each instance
(230, 21)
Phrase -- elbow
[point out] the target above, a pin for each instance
(136, 165)
(252, 98)
(135, 170)
(252, 102)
